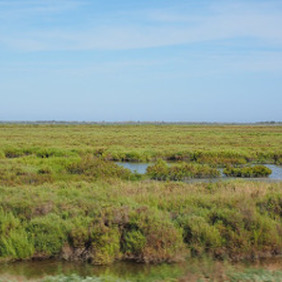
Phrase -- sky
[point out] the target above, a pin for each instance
(150, 60)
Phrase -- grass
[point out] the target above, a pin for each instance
(222, 144)
(62, 196)
(180, 171)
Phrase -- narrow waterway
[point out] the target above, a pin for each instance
(141, 168)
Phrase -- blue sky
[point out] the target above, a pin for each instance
(157, 60)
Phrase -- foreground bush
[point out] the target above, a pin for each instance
(181, 171)
(254, 171)
(141, 221)
(142, 235)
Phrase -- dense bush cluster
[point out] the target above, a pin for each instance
(33, 171)
(181, 171)
(111, 234)
(141, 221)
(250, 171)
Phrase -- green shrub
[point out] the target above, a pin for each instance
(180, 171)
(14, 241)
(254, 171)
(272, 205)
(199, 235)
(49, 233)
(17, 245)
(163, 239)
(133, 242)
(105, 244)
(79, 234)
(158, 171)
(97, 168)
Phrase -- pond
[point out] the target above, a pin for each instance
(190, 270)
(135, 167)
(140, 168)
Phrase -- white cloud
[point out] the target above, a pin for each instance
(228, 21)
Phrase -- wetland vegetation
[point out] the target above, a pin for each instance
(254, 171)
(207, 144)
(63, 197)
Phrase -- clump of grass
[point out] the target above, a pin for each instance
(94, 167)
(14, 241)
(47, 233)
(17, 174)
(254, 171)
(180, 171)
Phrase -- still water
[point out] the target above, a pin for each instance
(140, 168)
(190, 270)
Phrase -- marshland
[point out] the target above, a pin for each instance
(65, 201)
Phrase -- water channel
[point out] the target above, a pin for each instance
(276, 174)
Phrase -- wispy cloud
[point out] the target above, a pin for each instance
(24, 8)
(174, 27)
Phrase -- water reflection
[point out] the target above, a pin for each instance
(135, 167)
(189, 269)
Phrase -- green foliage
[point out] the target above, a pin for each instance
(141, 221)
(79, 234)
(180, 171)
(63, 196)
(163, 239)
(48, 234)
(44, 170)
(17, 245)
(159, 171)
(134, 242)
(254, 171)
(272, 205)
(212, 145)
(97, 168)
(105, 246)
(14, 241)
(199, 234)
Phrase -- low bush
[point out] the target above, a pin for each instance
(94, 167)
(139, 234)
(181, 171)
(48, 234)
(146, 221)
(14, 241)
(254, 171)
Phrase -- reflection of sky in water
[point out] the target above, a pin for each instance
(141, 168)
(276, 171)
(135, 167)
